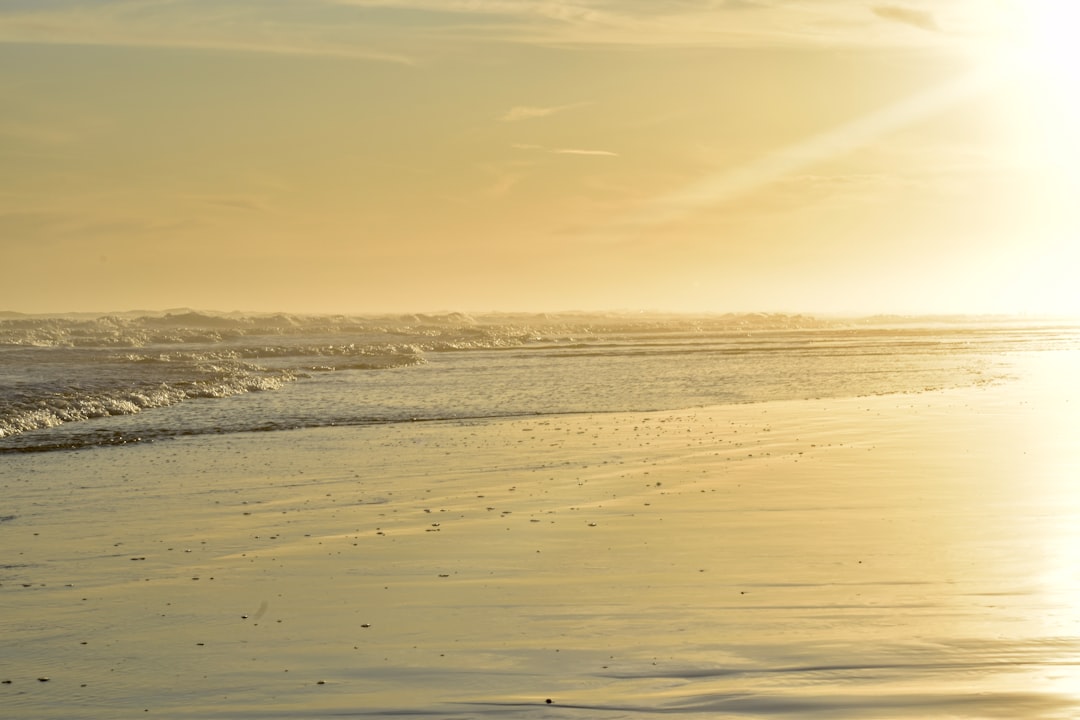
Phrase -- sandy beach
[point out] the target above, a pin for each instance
(908, 555)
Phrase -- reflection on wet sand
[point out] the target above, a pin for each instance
(900, 556)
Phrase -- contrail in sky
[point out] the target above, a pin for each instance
(724, 186)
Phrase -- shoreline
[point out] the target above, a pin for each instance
(884, 556)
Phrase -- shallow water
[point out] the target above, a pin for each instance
(904, 556)
(70, 383)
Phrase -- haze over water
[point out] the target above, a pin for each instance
(75, 382)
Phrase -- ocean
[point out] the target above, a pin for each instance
(538, 517)
(75, 382)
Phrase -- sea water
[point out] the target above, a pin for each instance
(72, 382)
(184, 537)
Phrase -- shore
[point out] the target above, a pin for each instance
(891, 556)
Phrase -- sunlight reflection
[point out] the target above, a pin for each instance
(1054, 474)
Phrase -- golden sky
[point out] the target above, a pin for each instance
(421, 155)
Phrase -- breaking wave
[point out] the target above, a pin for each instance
(57, 371)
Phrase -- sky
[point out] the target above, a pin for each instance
(369, 156)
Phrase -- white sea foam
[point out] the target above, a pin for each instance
(56, 372)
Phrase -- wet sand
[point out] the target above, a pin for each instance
(910, 556)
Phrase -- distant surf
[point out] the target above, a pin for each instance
(76, 381)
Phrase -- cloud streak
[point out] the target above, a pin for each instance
(566, 151)
(720, 23)
(183, 24)
(529, 112)
(718, 188)
(575, 151)
(907, 16)
(406, 31)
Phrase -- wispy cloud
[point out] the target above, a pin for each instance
(406, 31)
(528, 112)
(501, 181)
(666, 23)
(908, 16)
(558, 10)
(230, 26)
(565, 151)
(575, 151)
(242, 203)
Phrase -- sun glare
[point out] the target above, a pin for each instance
(1046, 27)
(1035, 46)
(1031, 48)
